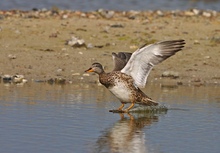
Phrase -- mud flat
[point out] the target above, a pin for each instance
(41, 44)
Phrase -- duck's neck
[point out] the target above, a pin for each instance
(102, 74)
(103, 79)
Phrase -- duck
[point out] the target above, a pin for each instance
(131, 71)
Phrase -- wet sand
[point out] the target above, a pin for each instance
(34, 43)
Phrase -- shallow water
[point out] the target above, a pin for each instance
(112, 5)
(74, 118)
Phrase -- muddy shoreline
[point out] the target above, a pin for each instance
(35, 43)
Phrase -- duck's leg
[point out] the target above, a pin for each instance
(130, 107)
(122, 105)
(119, 110)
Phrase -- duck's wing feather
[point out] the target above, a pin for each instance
(120, 60)
(143, 59)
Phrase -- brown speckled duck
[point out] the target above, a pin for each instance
(131, 71)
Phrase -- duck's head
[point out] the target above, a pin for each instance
(96, 67)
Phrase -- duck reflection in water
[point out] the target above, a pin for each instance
(127, 134)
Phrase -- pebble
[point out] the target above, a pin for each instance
(17, 32)
(60, 80)
(19, 79)
(83, 15)
(170, 74)
(59, 70)
(159, 12)
(7, 78)
(132, 14)
(196, 79)
(64, 49)
(108, 14)
(76, 74)
(90, 45)
(76, 42)
(116, 26)
(65, 16)
(207, 14)
(66, 55)
(189, 13)
(86, 74)
(15, 78)
(196, 42)
(105, 13)
(196, 11)
(10, 56)
(207, 57)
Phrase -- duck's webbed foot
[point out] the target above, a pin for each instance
(119, 110)
(116, 111)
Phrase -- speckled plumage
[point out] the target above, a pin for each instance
(131, 71)
(125, 83)
(122, 86)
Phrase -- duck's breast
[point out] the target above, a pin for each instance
(121, 91)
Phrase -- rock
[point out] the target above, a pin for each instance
(105, 13)
(60, 80)
(65, 16)
(10, 56)
(50, 81)
(207, 57)
(196, 79)
(7, 78)
(89, 45)
(64, 49)
(207, 14)
(59, 70)
(116, 26)
(86, 74)
(170, 74)
(196, 11)
(214, 13)
(75, 74)
(179, 83)
(189, 13)
(159, 12)
(19, 79)
(215, 40)
(109, 14)
(76, 42)
(17, 32)
(196, 42)
(83, 15)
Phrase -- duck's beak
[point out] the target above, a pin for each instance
(89, 70)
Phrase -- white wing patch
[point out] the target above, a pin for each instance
(144, 59)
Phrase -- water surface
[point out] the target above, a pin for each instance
(88, 5)
(74, 118)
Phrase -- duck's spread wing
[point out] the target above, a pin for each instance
(143, 59)
(120, 60)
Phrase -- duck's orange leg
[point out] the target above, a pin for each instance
(122, 105)
(130, 107)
